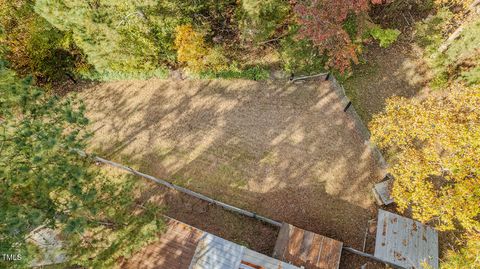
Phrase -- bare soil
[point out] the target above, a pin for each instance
(285, 151)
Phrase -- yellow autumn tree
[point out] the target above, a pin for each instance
(463, 3)
(195, 53)
(433, 147)
(467, 257)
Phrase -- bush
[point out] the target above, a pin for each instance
(259, 19)
(463, 55)
(31, 44)
(194, 52)
(233, 72)
(461, 60)
(191, 47)
(386, 37)
(118, 36)
(92, 74)
(467, 257)
(301, 57)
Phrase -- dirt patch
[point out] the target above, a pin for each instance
(285, 151)
(215, 220)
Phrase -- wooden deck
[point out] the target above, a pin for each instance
(405, 242)
(307, 249)
(182, 246)
(174, 249)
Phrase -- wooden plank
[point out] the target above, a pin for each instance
(336, 255)
(175, 248)
(314, 253)
(294, 245)
(325, 253)
(306, 245)
(282, 241)
(264, 261)
(310, 250)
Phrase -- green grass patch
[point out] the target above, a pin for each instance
(252, 73)
(161, 73)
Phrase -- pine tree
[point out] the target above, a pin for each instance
(31, 44)
(44, 182)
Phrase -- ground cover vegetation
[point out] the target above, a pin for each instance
(108, 40)
(46, 183)
(432, 142)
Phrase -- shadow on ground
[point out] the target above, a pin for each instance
(285, 151)
(395, 71)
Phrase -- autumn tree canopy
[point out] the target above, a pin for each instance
(433, 147)
(322, 23)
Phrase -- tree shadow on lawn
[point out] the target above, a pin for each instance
(285, 151)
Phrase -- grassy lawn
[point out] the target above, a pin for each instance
(286, 151)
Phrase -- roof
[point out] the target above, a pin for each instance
(405, 242)
(214, 252)
(307, 249)
(174, 248)
(182, 246)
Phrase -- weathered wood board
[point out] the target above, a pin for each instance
(405, 242)
(382, 191)
(307, 249)
(173, 249)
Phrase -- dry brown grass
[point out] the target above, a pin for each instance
(286, 151)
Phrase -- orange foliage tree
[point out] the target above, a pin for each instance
(321, 21)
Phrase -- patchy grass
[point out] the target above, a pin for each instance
(285, 151)
(354, 90)
(399, 70)
(253, 73)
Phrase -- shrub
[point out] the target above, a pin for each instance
(322, 23)
(461, 60)
(386, 37)
(194, 52)
(461, 3)
(467, 256)
(191, 48)
(463, 55)
(259, 19)
(118, 36)
(233, 72)
(31, 44)
(301, 57)
(90, 73)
